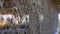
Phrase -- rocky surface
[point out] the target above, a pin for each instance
(42, 14)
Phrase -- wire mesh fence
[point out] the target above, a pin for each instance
(11, 7)
(41, 16)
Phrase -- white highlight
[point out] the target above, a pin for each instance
(16, 20)
(59, 16)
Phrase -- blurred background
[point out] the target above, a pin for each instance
(59, 24)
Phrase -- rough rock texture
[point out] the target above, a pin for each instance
(43, 15)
